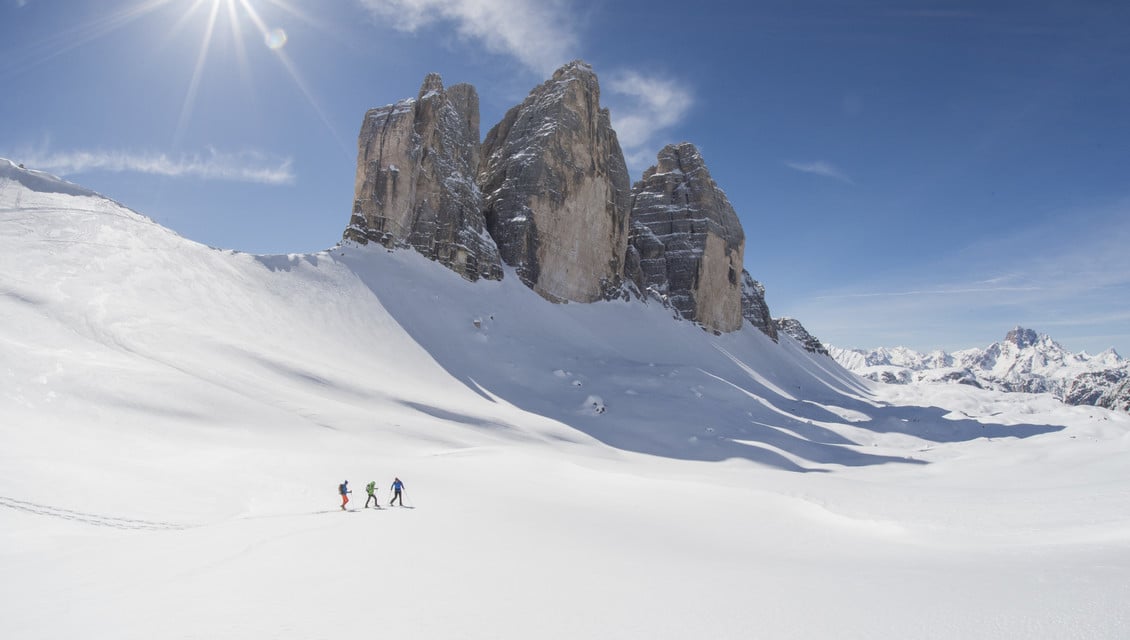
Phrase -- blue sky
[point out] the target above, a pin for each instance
(918, 173)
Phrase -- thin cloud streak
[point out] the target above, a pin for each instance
(1055, 275)
(247, 166)
(925, 292)
(1097, 318)
(820, 168)
(539, 34)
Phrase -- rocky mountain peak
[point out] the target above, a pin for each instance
(1021, 337)
(686, 243)
(1109, 356)
(433, 84)
(548, 193)
(576, 68)
(556, 189)
(682, 157)
(415, 183)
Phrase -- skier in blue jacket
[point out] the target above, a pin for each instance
(397, 487)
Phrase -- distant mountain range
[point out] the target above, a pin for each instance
(1024, 361)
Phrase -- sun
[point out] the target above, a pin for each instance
(275, 39)
(243, 19)
(236, 13)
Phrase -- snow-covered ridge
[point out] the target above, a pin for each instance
(1024, 361)
(39, 181)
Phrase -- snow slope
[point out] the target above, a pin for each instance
(174, 421)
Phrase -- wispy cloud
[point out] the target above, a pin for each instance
(958, 290)
(244, 166)
(644, 106)
(1056, 274)
(821, 168)
(538, 33)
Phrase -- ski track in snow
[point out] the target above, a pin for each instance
(88, 518)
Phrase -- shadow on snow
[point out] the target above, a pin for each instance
(704, 404)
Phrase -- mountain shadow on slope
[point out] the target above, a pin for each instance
(630, 376)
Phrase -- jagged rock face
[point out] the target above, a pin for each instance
(416, 164)
(556, 190)
(1021, 337)
(754, 307)
(1109, 389)
(795, 329)
(687, 241)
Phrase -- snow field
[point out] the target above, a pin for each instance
(174, 421)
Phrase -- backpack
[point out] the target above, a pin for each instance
(341, 489)
(371, 487)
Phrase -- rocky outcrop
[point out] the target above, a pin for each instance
(754, 307)
(686, 243)
(547, 192)
(794, 328)
(1109, 389)
(1022, 338)
(556, 190)
(415, 184)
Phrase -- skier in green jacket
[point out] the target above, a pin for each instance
(371, 489)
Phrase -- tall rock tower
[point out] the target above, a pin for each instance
(556, 190)
(687, 243)
(415, 185)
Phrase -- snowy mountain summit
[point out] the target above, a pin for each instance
(1025, 361)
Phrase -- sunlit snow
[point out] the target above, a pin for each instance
(175, 421)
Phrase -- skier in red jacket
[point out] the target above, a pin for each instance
(343, 489)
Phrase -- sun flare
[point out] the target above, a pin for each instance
(274, 38)
(246, 21)
(236, 11)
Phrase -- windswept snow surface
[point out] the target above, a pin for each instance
(175, 419)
